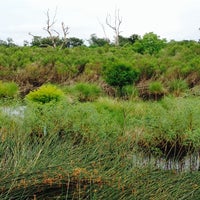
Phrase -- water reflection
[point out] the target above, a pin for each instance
(189, 163)
(14, 111)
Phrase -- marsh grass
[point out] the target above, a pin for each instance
(88, 150)
(86, 91)
(8, 89)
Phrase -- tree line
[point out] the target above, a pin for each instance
(149, 43)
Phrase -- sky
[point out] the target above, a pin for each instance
(170, 19)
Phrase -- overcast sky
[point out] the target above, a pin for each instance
(170, 19)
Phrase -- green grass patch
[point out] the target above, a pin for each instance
(93, 150)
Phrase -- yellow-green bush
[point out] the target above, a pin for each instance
(45, 94)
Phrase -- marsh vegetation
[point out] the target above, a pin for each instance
(100, 122)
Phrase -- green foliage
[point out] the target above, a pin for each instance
(8, 43)
(156, 87)
(169, 127)
(176, 60)
(86, 91)
(39, 41)
(130, 92)
(124, 41)
(74, 42)
(178, 86)
(150, 44)
(148, 67)
(103, 150)
(119, 75)
(45, 94)
(8, 89)
(94, 41)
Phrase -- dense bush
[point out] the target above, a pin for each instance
(45, 94)
(120, 75)
(150, 44)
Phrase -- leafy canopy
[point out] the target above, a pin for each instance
(150, 44)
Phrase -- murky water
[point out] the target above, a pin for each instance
(14, 111)
(188, 163)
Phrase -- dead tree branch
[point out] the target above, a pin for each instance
(49, 28)
(65, 30)
(54, 35)
(115, 26)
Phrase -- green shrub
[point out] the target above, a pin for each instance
(178, 86)
(156, 87)
(150, 43)
(86, 91)
(120, 75)
(8, 89)
(156, 90)
(44, 112)
(45, 94)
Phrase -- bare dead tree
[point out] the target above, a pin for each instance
(54, 34)
(115, 25)
(65, 30)
(49, 28)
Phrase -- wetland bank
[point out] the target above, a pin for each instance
(71, 127)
